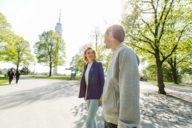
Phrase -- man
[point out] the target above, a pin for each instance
(121, 90)
(10, 74)
(17, 76)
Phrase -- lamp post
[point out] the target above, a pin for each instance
(96, 34)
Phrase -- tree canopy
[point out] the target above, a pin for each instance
(156, 29)
(50, 49)
(13, 48)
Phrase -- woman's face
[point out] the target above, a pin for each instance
(90, 55)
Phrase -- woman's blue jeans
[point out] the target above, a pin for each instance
(92, 106)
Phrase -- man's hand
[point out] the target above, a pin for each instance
(100, 102)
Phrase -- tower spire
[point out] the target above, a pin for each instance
(58, 30)
(58, 27)
(59, 16)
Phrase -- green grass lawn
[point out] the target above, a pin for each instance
(3, 80)
(60, 77)
(172, 84)
(180, 84)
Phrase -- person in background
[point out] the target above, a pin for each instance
(17, 76)
(10, 74)
(120, 99)
(91, 85)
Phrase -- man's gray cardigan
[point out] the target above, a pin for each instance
(121, 89)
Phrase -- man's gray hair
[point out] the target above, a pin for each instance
(117, 32)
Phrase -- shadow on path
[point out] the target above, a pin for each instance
(178, 98)
(48, 92)
(160, 111)
(157, 111)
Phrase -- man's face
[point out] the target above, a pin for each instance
(108, 40)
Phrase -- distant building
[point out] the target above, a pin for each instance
(58, 30)
(58, 27)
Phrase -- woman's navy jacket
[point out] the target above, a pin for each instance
(95, 82)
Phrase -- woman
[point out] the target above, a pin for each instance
(91, 86)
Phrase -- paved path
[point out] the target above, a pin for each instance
(38, 104)
(47, 103)
(171, 111)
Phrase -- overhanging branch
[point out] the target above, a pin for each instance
(148, 26)
(182, 31)
(143, 49)
(165, 19)
(150, 42)
(175, 47)
(172, 51)
(142, 40)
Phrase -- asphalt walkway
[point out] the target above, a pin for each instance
(44, 103)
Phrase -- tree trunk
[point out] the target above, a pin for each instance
(160, 81)
(174, 72)
(50, 68)
(18, 61)
(17, 69)
(174, 75)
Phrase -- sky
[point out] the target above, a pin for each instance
(79, 18)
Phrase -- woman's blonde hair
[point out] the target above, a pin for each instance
(84, 56)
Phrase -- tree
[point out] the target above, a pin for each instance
(50, 49)
(18, 51)
(23, 53)
(77, 62)
(4, 34)
(181, 56)
(180, 60)
(146, 30)
(4, 25)
(12, 47)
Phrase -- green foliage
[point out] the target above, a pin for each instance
(178, 32)
(12, 47)
(18, 51)
(159, 30)
(4, 25)
(4, 32)
(3, 80)
(25, 71)
(150, 73)
(78, 62)
(50, 49)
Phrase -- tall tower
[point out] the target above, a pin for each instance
(58, 30)
(58, 27)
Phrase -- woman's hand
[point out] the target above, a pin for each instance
(100, 102)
